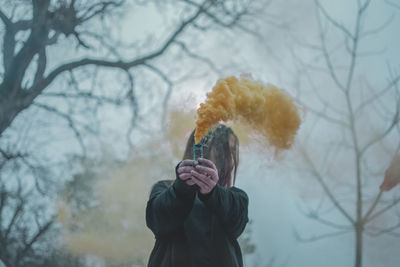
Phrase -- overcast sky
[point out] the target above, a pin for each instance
(277, 192)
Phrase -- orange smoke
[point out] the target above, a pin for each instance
(268, 110)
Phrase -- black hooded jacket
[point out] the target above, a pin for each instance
(195, 230)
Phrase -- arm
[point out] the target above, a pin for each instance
(168, 206)
(231, 207)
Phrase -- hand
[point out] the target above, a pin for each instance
(184, 171)
(205, 176)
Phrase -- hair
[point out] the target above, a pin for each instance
(217, 141)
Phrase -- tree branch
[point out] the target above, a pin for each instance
(40, 232)
(103, 7)
(327, 57)
(9, 156)
(395, 121)
(380, 212)
(371, 209)
(315, 216)
(85, 95)
(8, 47)
(3, 199)
(22, 25)
(392, 83)
(7, 22)
(235, 17)
(39, 87)
(134, 106)
(326, 117)
(332, 21)
(321, 99)
(319, 237)
(204, 59)
(17, 213)
(325, 187)
(70, 121)
(388, 230)
(364, 7)
(379, 28)
(168, 93)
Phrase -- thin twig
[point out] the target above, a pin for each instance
(70, 121)
(380, 212)
(319, 237)
(325, 187)
(371, 209)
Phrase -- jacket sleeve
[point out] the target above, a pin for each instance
(168, 206)
(231, 207)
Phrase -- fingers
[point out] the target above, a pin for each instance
(208, 163)
(188, 169)
(204, 180)
(184, 169)
(205, 183)
(203, 189)
(206, 176)
(187, 162)
(185, 176)
(213, 174)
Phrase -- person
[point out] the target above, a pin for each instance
(197, 218)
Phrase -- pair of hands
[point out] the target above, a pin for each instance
(204, 175)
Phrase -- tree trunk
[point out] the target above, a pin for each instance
(359, 232)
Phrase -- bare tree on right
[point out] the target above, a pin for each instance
(354, 127)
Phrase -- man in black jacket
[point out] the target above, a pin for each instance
(197, 218)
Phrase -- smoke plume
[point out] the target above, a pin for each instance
(268, 110)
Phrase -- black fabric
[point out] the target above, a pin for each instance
(194, 230)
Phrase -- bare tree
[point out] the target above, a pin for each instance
(355, 129)
(41, 76)
(49, 21)
(20, 242)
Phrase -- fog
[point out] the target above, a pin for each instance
(347, 103)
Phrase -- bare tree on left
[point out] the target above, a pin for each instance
(54, 57)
